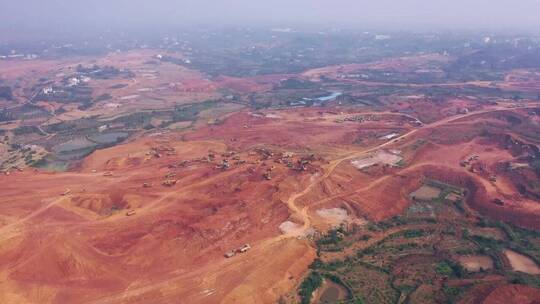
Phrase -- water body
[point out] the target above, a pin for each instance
(332, 96)
(331, 293)
(109, 138)
(78, 148)
(74, 149)
(317, 101)
(73, 145)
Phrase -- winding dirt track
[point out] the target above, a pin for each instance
(263, 247)
(303, 213)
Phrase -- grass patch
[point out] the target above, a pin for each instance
(450, 269)
(309, 285)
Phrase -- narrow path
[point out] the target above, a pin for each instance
(303, 213)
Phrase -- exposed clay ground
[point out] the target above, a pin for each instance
(109, 231)
(174, 243)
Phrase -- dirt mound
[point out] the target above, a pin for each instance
(84, 237)
(517, 294)
(63, 262)
(152, 218)
(93, 202)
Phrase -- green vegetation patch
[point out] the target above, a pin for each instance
(309, 285)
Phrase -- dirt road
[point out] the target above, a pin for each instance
(303, 214)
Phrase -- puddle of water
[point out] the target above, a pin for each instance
(331, 293)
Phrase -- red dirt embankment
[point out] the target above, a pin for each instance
(503, 294)
(81, 247)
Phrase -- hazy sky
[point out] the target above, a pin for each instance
(395, 14)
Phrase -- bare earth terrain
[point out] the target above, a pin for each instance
(158, 183)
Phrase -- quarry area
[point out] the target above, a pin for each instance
(146, 176)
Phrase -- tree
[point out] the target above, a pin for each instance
(309, 285)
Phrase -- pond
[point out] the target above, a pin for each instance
(109, 138)
(51, 164)
(316, 101)
(332, 96)
(330, 292)
(425, 193)
(73, 145)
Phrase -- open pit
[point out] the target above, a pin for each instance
(334, 216)
(476, 263)
(178, 182)
(425, 193)
(380, 157)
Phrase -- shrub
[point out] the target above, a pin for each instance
(450, 268)
(444, 269)
(309, 285)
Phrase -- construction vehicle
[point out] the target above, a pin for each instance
(67, 192)
(130, 213)
(108, 173)
(224, 165)
(170, 174)
(169, 182)
(498, 201)
(147, 185)
(244, 248)
(230, 254)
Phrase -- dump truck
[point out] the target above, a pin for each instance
(67, 192)
(130, 213)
